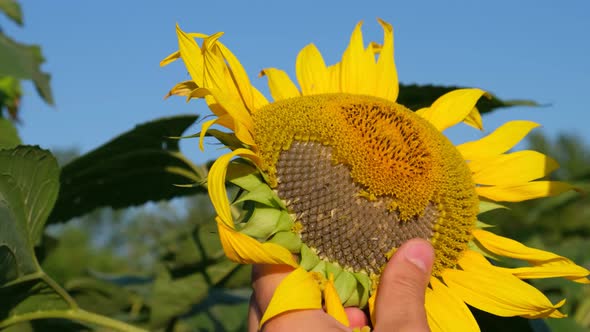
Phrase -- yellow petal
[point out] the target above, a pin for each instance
(216, 183)
(333, 304)
(334, 72)
(299, 290)
(473, 119)
(523, 191)
(204, 127)
(280, 85)
(176, 55)
(242, 133)
(506, 247)
(191, 54)
(259, 99)
(239, 122)
(387, 82)
(511, 168)
(182, 89)
(312, 73)
(480, 285)
(252, 101)
(243, 249)
(451, 108)
(169, 59)
(351, 66)
(551, 270)
(447, 312)
(371, 302)
(218, 80)
(498, 142)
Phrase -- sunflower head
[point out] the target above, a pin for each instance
(362, 175)
(337, 175)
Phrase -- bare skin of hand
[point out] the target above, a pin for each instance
(399, 305)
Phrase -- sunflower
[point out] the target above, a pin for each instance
(335, 175)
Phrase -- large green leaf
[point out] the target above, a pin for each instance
(29, 183)
(28, 189)
(24, 62)
(12, 9)
(139, 166)
(8, 135)
(416, 96)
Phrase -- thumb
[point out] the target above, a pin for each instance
(400, 297)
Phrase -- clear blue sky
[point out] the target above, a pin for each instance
(104, 55)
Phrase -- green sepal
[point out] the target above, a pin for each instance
(346, 286)
(285, 222)
(320, 268)
(263, 195)
(248, 178)
(289, 240)
(363, 288)
(485, 206)
(228, 139)
(480, 224)
(262, 223)
(309, 259)
(333, 269)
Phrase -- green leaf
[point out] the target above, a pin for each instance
(174, 297)
(28, 189)
(139, 166)
(24, 62)
(99, 296)
(416, 97)
(8, 135)
(12, 9)
(222, 310)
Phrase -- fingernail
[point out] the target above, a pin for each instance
(420, 254)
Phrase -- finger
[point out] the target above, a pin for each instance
(356, 317)
(400, 296)
(254, 315)
(265, 279)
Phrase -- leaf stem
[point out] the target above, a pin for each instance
(73, 314)
(59, 290)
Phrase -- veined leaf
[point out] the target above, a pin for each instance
(416, 96)
(139, 166)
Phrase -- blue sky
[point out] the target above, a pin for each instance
(104, 55)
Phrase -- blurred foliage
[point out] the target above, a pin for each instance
(19, 62)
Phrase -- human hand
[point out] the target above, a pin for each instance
(399, 305)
